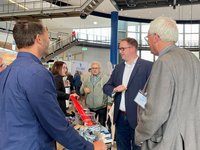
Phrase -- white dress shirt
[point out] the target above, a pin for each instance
(126, 76)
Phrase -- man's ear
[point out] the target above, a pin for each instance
(156, 38)
(38, 39)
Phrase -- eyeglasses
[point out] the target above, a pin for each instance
(95, 68)
(123, 48)
(147, 37)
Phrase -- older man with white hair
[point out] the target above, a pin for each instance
(171, 117)
(92, 87)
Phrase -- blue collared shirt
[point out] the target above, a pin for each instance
(30, 117)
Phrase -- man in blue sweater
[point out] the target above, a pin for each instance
(30, 116)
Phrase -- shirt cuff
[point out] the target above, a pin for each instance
(113, 94)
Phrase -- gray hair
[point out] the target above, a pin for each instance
(166, 28)
(97, 63)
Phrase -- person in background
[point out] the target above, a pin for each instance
(73, 35)
(77, 82)
(2, 65)
(171, 118)
(89, 70)
(30, 115)
(58, 42)
(92, 87)
(126, 80)
(70, 78)
(85, 75)
(59, 69)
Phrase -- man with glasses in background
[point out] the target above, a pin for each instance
(92, 87)
(126, 80)
(171, 117)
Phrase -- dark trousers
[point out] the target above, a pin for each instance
(101, 113)
(124, 134)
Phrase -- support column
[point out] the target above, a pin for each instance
(114, 38)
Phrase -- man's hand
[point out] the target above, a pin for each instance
(66, 83)
(99, 145)
(75, 95)
(87, 90)
(120, 88)
(109, 107)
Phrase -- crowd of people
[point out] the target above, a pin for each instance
(33, 99)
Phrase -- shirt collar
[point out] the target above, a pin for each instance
(133, 63)
(166, 49)
(28, 55)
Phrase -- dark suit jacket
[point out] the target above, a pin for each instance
(136, 82)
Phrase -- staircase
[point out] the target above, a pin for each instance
(59, 47)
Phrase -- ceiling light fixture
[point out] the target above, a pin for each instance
(95, 22)
(12, 1)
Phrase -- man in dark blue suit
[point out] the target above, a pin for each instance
(126, 80)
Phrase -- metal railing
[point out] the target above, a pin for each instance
(59, 46)
(59, 43)
(13, 6)
(93, 38)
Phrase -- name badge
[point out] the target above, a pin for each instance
(141, 99)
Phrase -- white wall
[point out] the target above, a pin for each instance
(92, 54)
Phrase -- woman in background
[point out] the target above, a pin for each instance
(59, 71)
(77, 82)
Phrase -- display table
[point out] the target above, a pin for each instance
(87, 126)
(91, 133)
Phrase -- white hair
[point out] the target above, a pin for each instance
(96, 63)
(166, 28)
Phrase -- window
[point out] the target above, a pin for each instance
(188, 35)
(145, 28)
(191, 28)
(147, 55)
(191, 40)
(180, 40)
(134, 35)
(180, 28)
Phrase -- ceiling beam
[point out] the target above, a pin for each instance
(53, 12)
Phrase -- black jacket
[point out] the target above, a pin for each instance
(61, 95)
